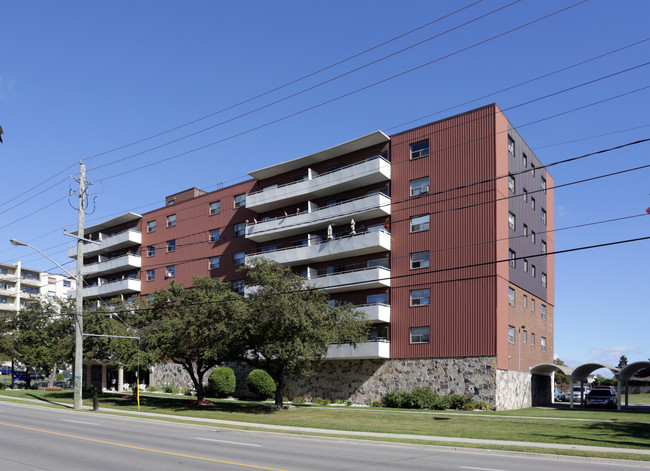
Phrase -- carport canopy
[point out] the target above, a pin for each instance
(629, 370)
(583, 371)
(547, 369)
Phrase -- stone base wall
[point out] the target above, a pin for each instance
(171, 373)
(512, 390)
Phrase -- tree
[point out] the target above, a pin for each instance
(193, 326)
(622, 362)
(289, 325)
(560, 377)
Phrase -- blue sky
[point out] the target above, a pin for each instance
(79, 80)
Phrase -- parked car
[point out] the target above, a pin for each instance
(5, 370)
(559, 395)
(609, 388)
(576, 392)
(601, 397)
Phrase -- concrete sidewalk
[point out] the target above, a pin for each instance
(355, 434)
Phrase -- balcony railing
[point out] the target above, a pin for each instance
(107, 244)
(379, 348)
(114, 265)
(360, 209)
(377, 312)
(113, 288)
(353, 280)
(330, 249)
(370, 171)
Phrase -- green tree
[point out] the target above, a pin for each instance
(622, 362)
(560, 377)
(289, 325)
(193, 326)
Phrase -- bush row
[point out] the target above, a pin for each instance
(423, 398)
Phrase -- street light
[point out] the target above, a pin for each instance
(523, 327)
(78, 351)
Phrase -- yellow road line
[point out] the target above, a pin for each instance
(123, 445)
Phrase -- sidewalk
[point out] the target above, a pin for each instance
(354, 434)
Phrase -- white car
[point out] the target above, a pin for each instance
(576, 392)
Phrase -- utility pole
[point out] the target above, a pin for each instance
(78, 349)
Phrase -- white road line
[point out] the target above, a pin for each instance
(481, 469)
(79, 422)
(225, 441)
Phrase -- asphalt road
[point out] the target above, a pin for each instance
(33, 438)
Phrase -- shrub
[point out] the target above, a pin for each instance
(458, 402)
(442, 403)
(186, 391)
(396, 399)
(340, 401)
(483, 405)
(298, 400)
(2, 386)
(469, 406)
(261, 384)
(60, 377)
(170, 388)
(348, 403)
(421, 398)
(152, 388)
(88, 390)
(222, 382)
(375, 404)
(321, 402)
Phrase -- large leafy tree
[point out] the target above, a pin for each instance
(560, 377)
(289, 325)
(193, 326)
(40, 335)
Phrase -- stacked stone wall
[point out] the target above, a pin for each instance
(513, 390)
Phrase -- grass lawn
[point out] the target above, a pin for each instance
(547, 425)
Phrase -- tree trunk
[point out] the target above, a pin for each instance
(279, 390)
(50, 381)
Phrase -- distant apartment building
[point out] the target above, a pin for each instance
(439, 234)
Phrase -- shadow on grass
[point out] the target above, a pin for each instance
(53, 397)
(615, 434)
(176, 405)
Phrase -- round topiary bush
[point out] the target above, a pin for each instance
(261, 384)
(60, 377)
(222, 381)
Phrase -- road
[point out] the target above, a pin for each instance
(33, 438)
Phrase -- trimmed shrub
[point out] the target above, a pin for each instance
(321, 402)
(60, 377)
(396, 399)
(442, 403)
(375, 404)
(222, 381)
(483, 405)
(261, 384)
(298, 400)
(421, 398)
(458, 402)
(170, 388)
(152, 388)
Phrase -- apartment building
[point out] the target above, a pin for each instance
(19, 285)
(440, 234)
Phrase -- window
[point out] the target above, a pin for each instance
(511, 221)
(543, 183)
(171, 245)
(525, 336)
(525, 301)
(532, 202)
(543, 247)
(525, 265)
(525, 195)
(532, 169)
(419, 186)
(544, 216)
(532, 305)
(532, 339)
(511, 183)
(533, 271)
(511, 296)
(511, 146)
(29, 290)
(214, 235)
(170, 271)
(544, 279)
(381, 298)
(151, 251)
(512, 256)
(543, 308)
(238, 286)
(511, 334)
(51, 293)
(67, 283)
(240, 229)
(171, 220)
(269, 248)
(419, 334)
(214, 263)
(334, 269)
(215, 207)
(543, 344)
(238, 258)
(420, 149)
(533, 237)
(151, 275)
(151, 226)
(240, 201)
(419, 260)
(420, 223)
(525, 230)
(420, 297)
(524, 160)
(3, 300)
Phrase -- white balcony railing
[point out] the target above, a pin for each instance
(368, 172)
(114, 288)
(359, 209)
(108, 244)
(366, 278)
(115, 265)
(330, 249)
(366, 350)
(377, 312)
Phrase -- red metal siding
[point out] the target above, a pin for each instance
(462, 314)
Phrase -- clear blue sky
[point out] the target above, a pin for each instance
(81, 78)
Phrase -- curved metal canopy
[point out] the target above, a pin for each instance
(626, 373)
(582, 371)
(548, 368)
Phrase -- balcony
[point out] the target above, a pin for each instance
(28, 281)
(368, 172)
(359, 209)
(109, 244)
(115, 265)
(375, 312)
(108, 290)
(367, 278)
(8, 307)
(332, 249)
(368, 350)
